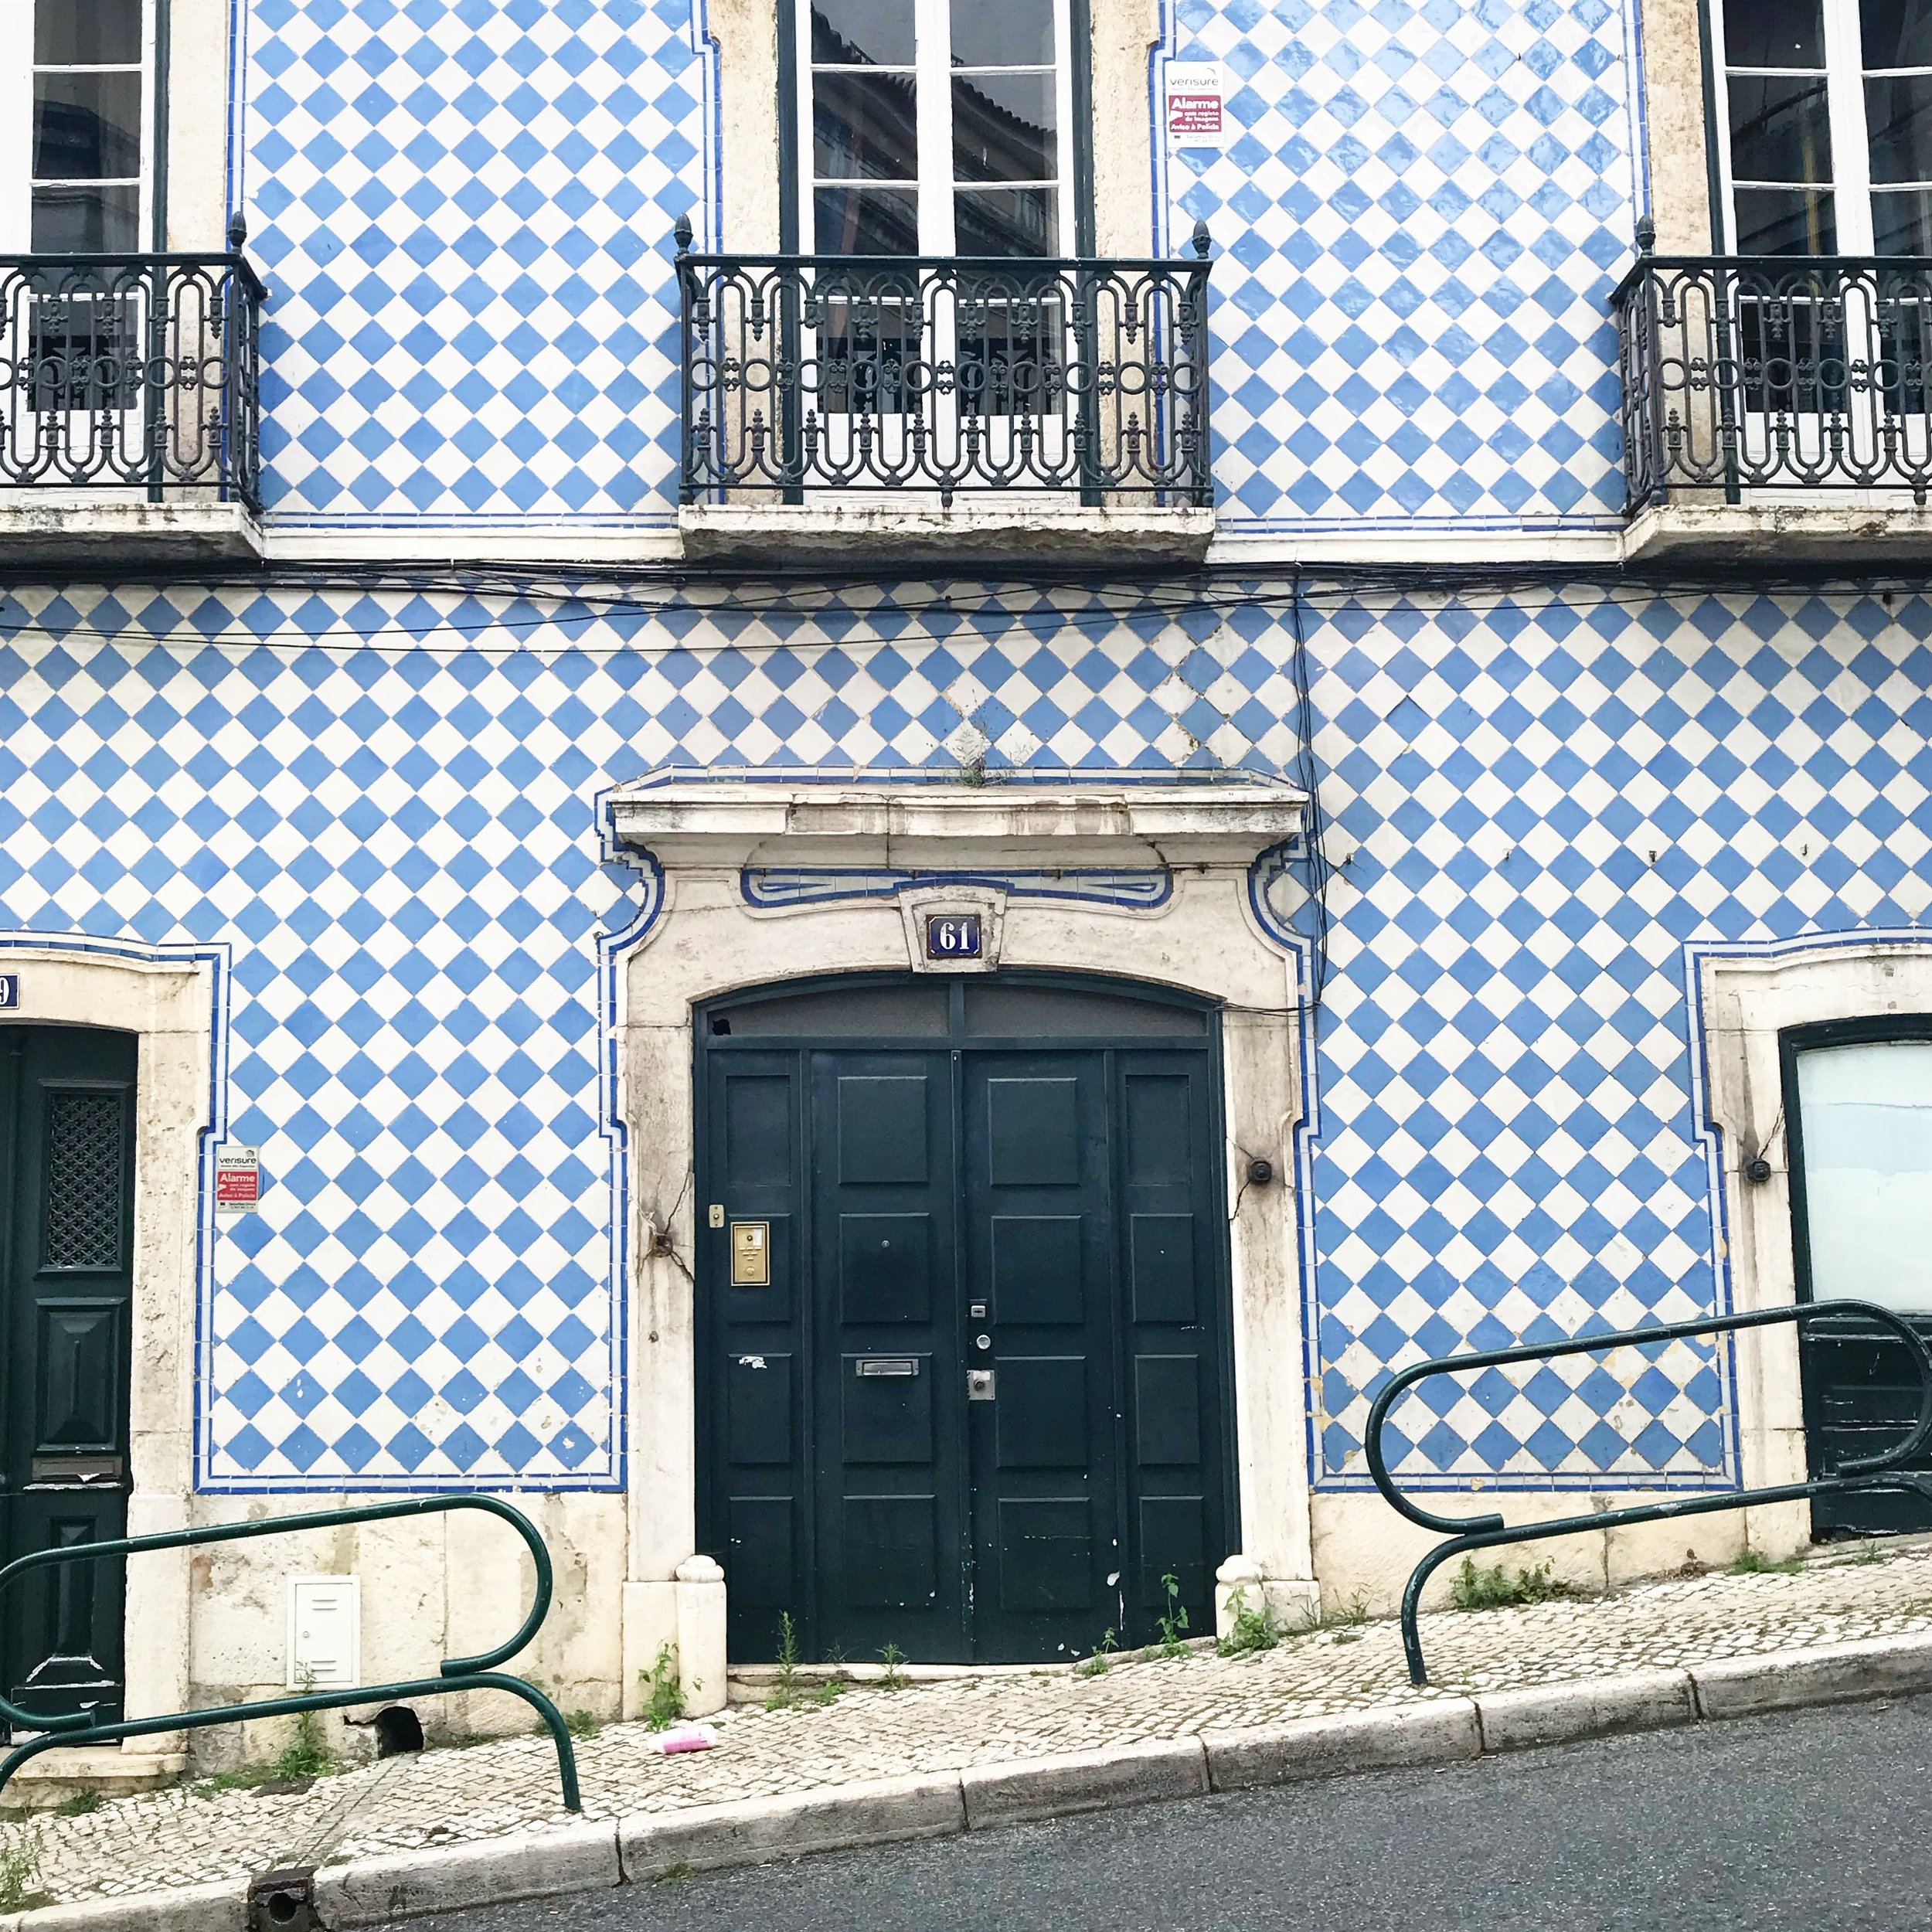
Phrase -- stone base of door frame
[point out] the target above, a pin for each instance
(685, 1616)
(1241, 1583)
(54, 1776)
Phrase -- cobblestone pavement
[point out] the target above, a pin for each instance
(442, 1797)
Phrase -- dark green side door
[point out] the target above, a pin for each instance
(66, 1237)
(976, 1409)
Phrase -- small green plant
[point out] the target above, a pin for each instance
(1754, 1562)
(663, 1694)
(582, 1724)
(307, 1753)
(785, 1692)
(672, 1873)
(85, 1800)
(19, 1867)
(893, 1677)
(1868, 1551)
(1102, 1660)
(1476, 1588)
(1173, 1619)
(1250, 1629)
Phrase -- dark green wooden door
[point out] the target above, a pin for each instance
(1858, 1098)
(67, 1233)
(972, 1404)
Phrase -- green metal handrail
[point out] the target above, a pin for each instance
(1489, 1531)
(457, 1673)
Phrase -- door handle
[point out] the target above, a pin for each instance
(979, 1385)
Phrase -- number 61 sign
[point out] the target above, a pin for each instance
(952, 936)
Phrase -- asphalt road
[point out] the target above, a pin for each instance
(1816, 1820)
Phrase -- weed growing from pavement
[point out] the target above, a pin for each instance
(672, 1873)
(19, 1867)
(1250, 1629)
(784, 1692)
(894, 1659)
(85, 1800)
(1102, 1660)
(1495, 1589)
(307, 1754)
(581, 1725)
(1754, 1562)
(663, 1695)
(1173, 1619)
(1868, 1552)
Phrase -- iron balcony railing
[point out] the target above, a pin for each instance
(805, 374)
(131, 372)
(1787, 373)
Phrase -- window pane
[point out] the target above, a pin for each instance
(87, 126)
(1007, 222)
(1002, 33)
(1896, 33)
(865, 33)
(1779, 130)
(1773, 33)
(1901, 221)
(866, 221)
(864, 126)
(1899, 114)
(1786, 221)
(86, 33)
(1866, 1116)
(1003, 128)
(88, 220)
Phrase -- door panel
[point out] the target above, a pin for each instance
(750, 1336)
(1177, 1393)
(67, 1234)
(1046, 1510)
(890, 1488)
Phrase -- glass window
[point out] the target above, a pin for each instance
(1865, 1113)
(962, 101)
(90, 109)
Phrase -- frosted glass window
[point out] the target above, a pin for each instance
(1865, 1113)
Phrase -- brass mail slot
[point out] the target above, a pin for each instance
(751, 1254)
(891, 1365)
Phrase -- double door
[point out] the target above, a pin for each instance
(974, 1408)
(66, 1229)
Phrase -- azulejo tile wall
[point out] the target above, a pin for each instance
(463, 211)
(386, 807)
(1419, 225)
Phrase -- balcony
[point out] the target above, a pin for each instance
(1777, 409)
(943, 408)
(128, 407)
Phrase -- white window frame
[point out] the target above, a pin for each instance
(933, 75)
(17, 71)
(1850, 136)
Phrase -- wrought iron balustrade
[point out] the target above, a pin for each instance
(810, 373)
(1775, 372)
(130, 371)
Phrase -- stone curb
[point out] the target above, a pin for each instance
(1437, 1731)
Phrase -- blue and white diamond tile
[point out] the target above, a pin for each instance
(1418, 228)
(1537, 804)
(464, 213)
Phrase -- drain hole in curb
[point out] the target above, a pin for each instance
(283, 1901)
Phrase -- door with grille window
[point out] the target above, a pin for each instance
(66, 1238)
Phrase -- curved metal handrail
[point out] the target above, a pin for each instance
(1491, 1530)
(455, 1674)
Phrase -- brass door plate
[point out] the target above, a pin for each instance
(751, 1254)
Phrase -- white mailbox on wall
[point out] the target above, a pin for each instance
(324, 1633)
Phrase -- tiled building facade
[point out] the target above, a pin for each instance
(1520, 787)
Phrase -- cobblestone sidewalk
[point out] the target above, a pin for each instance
(444, 1796)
